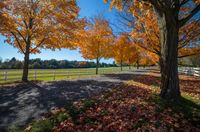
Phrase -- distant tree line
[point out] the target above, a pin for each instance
(50, 64)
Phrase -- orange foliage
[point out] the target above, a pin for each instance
(146, 32)
(95, 42)
(31, 25)
(128, 52)
(122, 43)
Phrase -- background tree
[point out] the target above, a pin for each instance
(49, 64)
(121, 45)
(171, 17)
(30, 25)
(132, 55)
(95, 42)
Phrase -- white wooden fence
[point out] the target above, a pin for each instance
(9, 76)
(51, 74)
(15, 75)
(193, 71)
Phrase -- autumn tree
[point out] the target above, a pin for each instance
(132, 55)
(171, 17)
(147, 59)
(31, 25)
(121, 46)
(95, 42)
(145, 32)
(137, 55)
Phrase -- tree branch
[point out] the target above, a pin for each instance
(192, 54)
(38, 45)
(183, 2)
(21, 36)
(18, 42)
(183, 21)
(187, 40)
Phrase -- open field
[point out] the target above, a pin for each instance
(12, 75)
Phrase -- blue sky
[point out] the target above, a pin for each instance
(89, 8)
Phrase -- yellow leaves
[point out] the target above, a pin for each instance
(95, 41)
(121, 46)
(113, 2)
(47, 23)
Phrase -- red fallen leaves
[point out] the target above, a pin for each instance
(188, 84)
(191, 86)
(128, 108)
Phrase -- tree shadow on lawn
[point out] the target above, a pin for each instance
(24, 102)
(130, 107)
(188, 84)
(121, 76)
(184, 110)
(187, 105)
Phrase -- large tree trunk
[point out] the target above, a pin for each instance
(97, 66)
(26, 64)
(160, 64)
(27, 53)
(169, 52)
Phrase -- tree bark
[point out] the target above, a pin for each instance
(138, 66)
(97, 66)
(169, 29)
(121, 65)
(26, 64)
(27, 52)
(160, 64)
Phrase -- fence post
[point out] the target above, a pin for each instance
(5, 76)
(35, 74)
(54, 75)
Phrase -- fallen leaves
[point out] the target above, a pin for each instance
(128, 108)
(135, 106)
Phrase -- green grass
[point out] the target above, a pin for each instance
(46, 125)
(60, 74)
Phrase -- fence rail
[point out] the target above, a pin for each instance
(56, 74)
(193, 71)
(41, 74)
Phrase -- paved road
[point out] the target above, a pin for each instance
(21, 103)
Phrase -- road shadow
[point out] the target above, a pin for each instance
(24, 102)
(122, 76)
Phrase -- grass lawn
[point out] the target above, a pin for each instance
(134, 105)
(60, 74)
